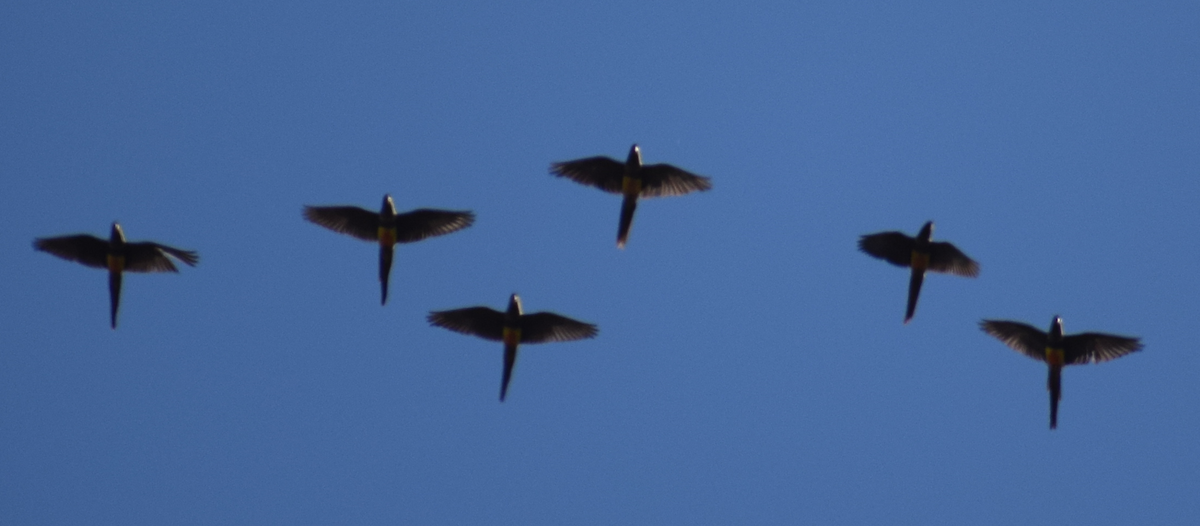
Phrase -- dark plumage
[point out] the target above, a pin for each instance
(920, 254)
(1058, 350)
(117, 256)
(388, 228)
(513, 328)
(631, 179)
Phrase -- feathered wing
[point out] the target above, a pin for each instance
(351, 220)
(1094, 347)
(893, 247)
(88, 250)
(1023, 338)
(190, 257)
(484, 322)
(423, 223)
(601, 172)
(152, 257)
(944, 257)
(542, 327)
(663, 180)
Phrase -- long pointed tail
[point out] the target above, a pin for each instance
(914, 290)
(385, 269)
(114, 294)
(627, 207)
(510, 359)
(1054, 384)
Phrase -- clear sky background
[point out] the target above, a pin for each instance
(751, 365)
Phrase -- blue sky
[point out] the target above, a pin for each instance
(751, 364)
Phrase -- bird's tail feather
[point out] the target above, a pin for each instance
(914, 290)
(385, 269)
(114, 294)
(1054, 384)
(627, 208)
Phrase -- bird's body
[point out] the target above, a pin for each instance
(632, 180)
(1058, 350)
(387, 228)
(513, 328)
(117, 256)
(920, 254)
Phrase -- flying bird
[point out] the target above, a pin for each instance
(921, 255)
(117, 256)
(632, 180)
(513, 328)
(388, 228)
(1058, 350)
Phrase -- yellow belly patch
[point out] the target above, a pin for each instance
(512, 336)
(919, 260)
(1055, 356)
(631, 186)
(387, 236)
(116, 263)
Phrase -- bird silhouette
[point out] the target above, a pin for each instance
(388, 228)
(513, 328)
(117, 255)
(1058, 350)
(631, 179)
(921, 255)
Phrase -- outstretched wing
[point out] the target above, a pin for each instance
(352, 220)
(542, 327)
(423, 223)
(483, 322)
(893, 247)
(152, 257)
(1094, 347)
(663, 180)
(944, 257)
(601, 172)
(88, 250)
(1023, 338)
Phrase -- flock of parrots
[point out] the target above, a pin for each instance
(632, 180)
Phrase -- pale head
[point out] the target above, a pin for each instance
(389, 207)
(1056, 329)
(635, 157)
(926, 232)
(116, 235)
(514, 304)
